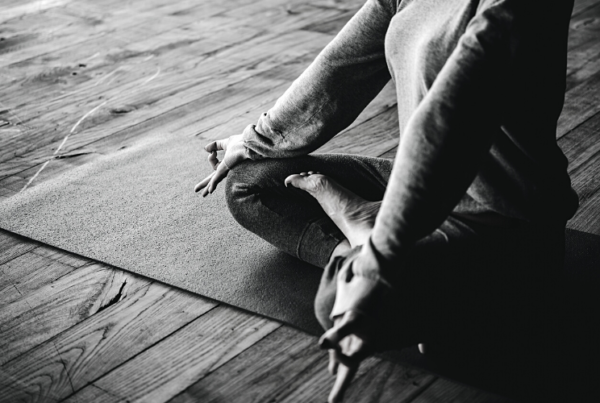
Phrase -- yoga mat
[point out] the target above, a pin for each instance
(136, 209)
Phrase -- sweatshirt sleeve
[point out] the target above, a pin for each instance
(446, 140)
(330, 93)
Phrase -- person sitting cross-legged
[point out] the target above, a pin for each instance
(468, 219)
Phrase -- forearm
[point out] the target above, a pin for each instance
(332, 91)
(445, 143)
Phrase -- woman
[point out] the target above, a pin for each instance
(456, 228)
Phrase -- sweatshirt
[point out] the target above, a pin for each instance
(480, 86)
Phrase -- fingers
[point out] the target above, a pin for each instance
(333, 363)
(217, 145)
(342, 382)
(341, 329)
(210, 184)
(344, 365)
(422, 348)
(220, 174)
(346, 351)
(204, 183)
(213, 160)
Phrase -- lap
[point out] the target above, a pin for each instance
(465, 280)
(365, 176)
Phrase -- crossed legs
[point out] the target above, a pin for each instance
(461, 275)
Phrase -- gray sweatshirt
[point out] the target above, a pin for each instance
(480, 87)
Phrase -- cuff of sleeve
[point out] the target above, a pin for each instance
(249, 135)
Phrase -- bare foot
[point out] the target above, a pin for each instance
(353, 215)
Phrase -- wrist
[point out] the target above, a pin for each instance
(360, 285)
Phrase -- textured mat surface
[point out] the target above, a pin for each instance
(136, 209)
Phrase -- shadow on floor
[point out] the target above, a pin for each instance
(548, 354)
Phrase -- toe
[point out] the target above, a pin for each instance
(304, 181)
(296, 180)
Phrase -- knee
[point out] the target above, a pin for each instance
(239, 187)
(243, 189)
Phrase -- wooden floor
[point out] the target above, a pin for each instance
(83, 78)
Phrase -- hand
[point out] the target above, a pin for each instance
(348, 344)
(235, 152)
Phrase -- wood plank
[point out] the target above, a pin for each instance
(389, 382)
(581, 103)
(59, 117)
(582, 27)
(62, 256)
(391, 153)
(106, 121)
(376, 381)
(288, 366)
(190, 31)
(582, 5)
(88, 350)
(27, 273)
(582, 64)
(181, 119)
(55, 307)
(582, 148)
(291, 15)
(263, 373)
(443, 390)
(94, 394)
(136, 52)
(581, 144)
(80, 22)
(175, 363)
(12, 390)
(332, 25)
(13, 246)
(19, 10)
(587, 218)
(371, 137)
(582, 57)
(315, 384)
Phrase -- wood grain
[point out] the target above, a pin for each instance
(582, 5)
(95, 346)
(57, 306)
(263, 373)
(389, 382)
(371, 137)
(94, 394)
(582, 58)
(443, 391)
(27, 273)
(220, 94)
(12, 246)
(188, 355)
(80, 22)
(61, 256)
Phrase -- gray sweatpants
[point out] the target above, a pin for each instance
(464, 275)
